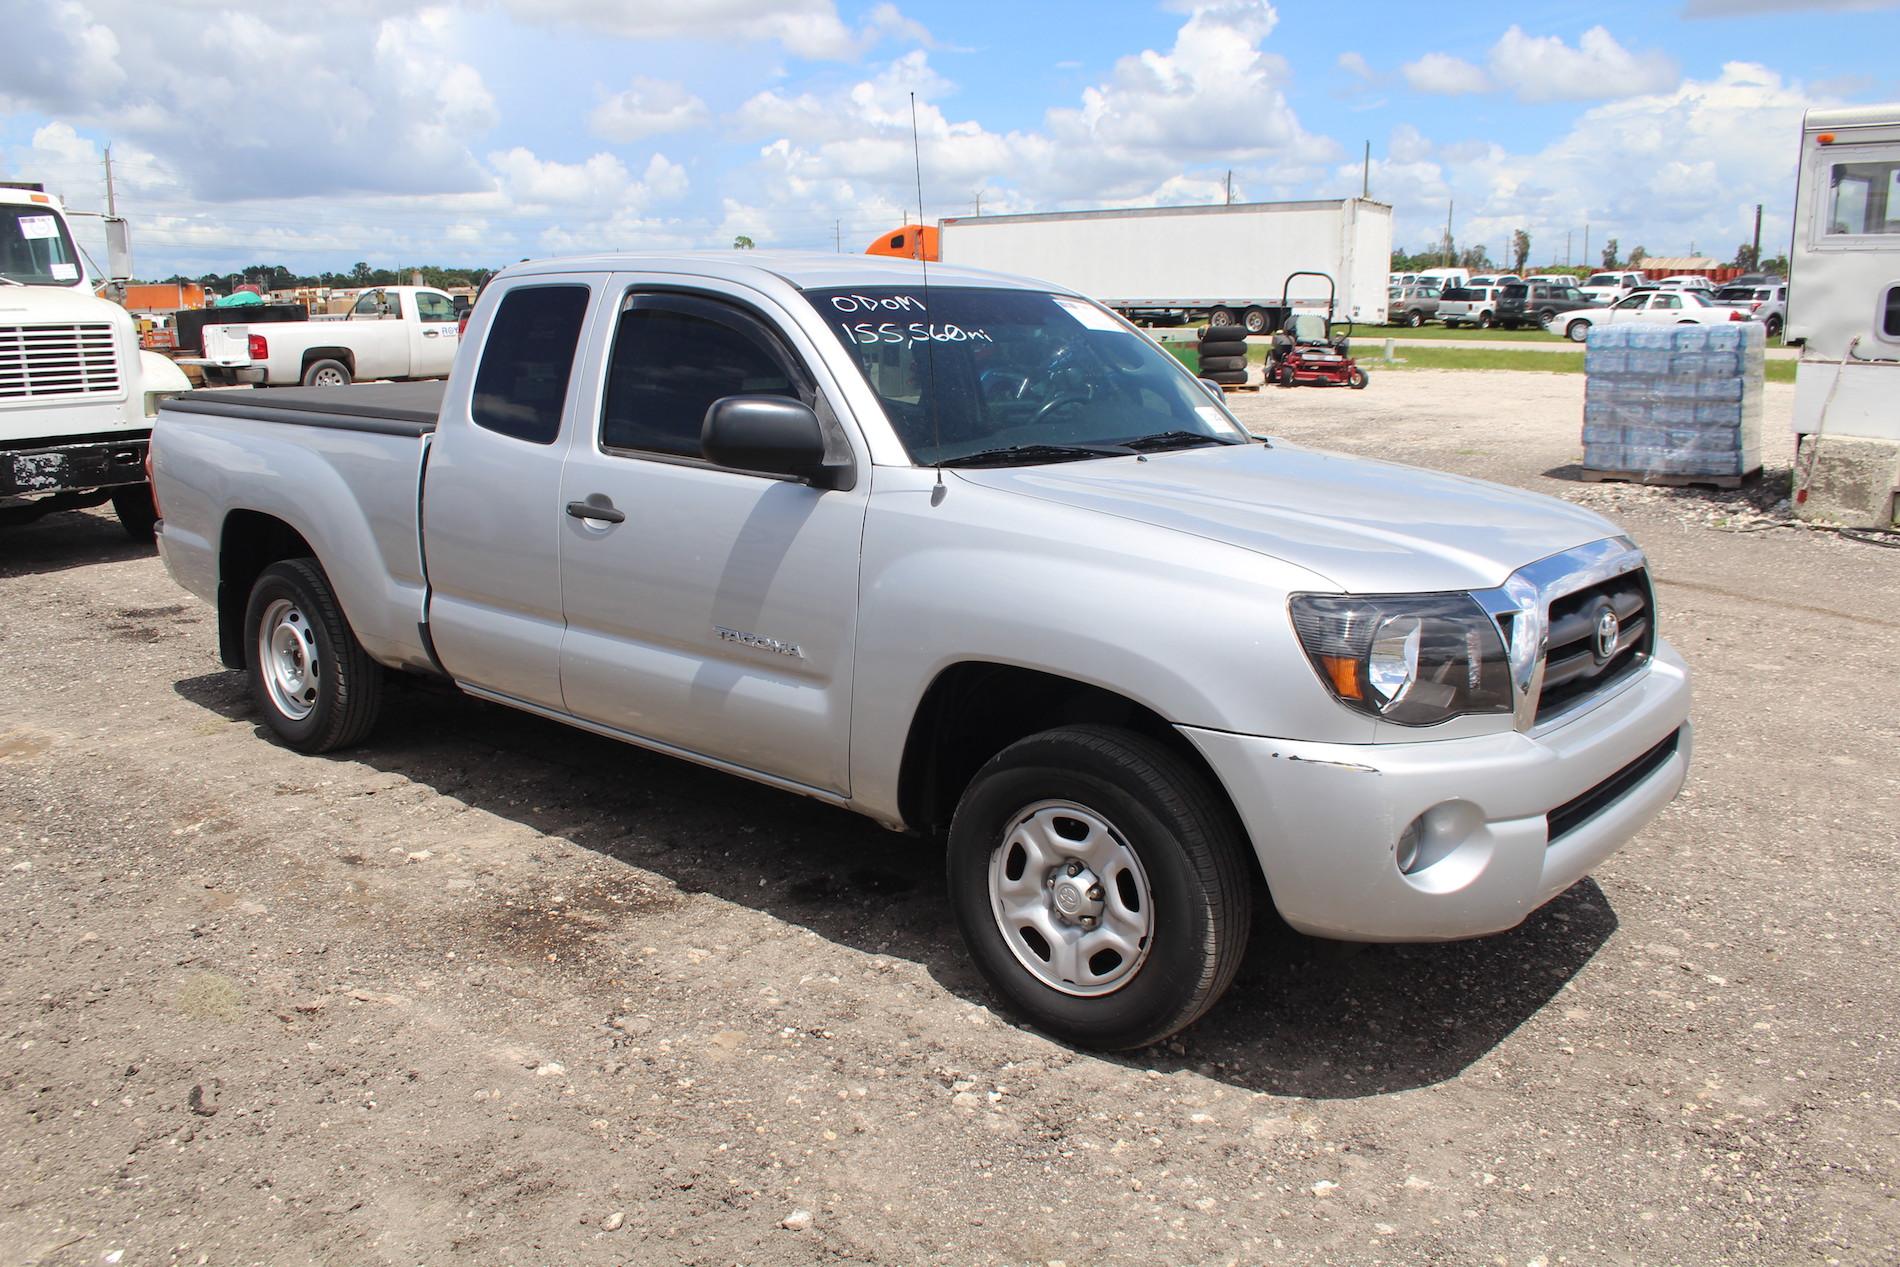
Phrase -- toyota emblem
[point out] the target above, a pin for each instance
(1609, 629)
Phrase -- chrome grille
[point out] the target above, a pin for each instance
(58, 361)
(1574, 666)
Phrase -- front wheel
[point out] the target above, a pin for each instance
(1356, 378)
(316, 686)
(137, 513)
(1578, 331)
(1486, 321)
(1415, 319)
(1100, 884)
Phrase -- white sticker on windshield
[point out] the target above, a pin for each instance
(38, 227)
(1211, 416)
(65, 272)
(1091, 317)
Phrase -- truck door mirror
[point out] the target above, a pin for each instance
(119, 250)
(773, 435)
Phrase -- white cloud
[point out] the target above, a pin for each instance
(1444, 75)
(806, 28)
(1663, 170)
(650, 107)
(1355, 64)
(1544, 68)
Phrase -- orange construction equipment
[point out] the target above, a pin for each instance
(906, 242)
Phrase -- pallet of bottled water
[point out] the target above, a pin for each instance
(1674, 404)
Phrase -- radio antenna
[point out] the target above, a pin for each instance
(923, 261)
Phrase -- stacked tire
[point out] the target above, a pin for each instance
(1223, 351)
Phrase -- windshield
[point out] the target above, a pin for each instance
(35, 248)
(977, 369)
(1604, 279)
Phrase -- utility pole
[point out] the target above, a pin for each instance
(1365, 180)
(1567, 233)
(837, 236)
(1586, 246)
(1754, 260)
(1448, 206)
(112, 203)
(1230, 186)
(979, 202)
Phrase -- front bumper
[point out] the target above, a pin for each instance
(74, 466)
(1325, 818)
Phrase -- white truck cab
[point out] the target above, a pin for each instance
(1844, 308)
(77, 395)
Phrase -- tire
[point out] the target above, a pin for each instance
(1415, 319)
(1215, 363)
(1255, 321)
(1227, 378)
(1773, 325)
(1220, 316)
(1486, 321)
(137, 513)
(1145, 826)
(315, 685)
(1234, 335)
(1547, 316)
(1356, 379)
(1578, 332)
(326, 373)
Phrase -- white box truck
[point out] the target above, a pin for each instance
(1844, 307)
(77, 394)
(1221, 264)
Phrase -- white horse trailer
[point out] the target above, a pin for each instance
(1844, 304)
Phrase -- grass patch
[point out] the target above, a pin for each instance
(1565, 358)
(1445, 334)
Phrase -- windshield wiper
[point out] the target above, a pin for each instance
(9, 281)
(1031, 454)
(1176, 440)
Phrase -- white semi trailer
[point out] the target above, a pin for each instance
(77, 395)
(1844, 307)
(1221, 264)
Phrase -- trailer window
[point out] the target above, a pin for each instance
(1864, 198)
(522, 383)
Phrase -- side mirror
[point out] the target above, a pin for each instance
(119, 250)
(1214, 389)
(772, 435)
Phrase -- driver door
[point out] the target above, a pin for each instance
(432, 336)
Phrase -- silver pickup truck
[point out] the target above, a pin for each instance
(972, 556)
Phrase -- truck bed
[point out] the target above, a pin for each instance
(403, 409)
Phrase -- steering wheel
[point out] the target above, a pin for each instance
(1055, 402)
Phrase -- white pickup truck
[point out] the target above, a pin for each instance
(390, 332)
(970, 556)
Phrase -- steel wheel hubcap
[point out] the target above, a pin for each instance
(1071, 899)
(329, 378)
(287, 652)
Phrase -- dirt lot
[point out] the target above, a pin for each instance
(492, 991)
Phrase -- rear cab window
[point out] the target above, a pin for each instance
(527, 360)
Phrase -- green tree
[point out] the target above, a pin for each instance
(1775, 266)
(1746, 257)
(360, 273)
(1520, 249)
(1477, 259)
(1637, 256)
(1609, 254)
(742, 243)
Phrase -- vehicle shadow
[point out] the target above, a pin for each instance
(1305, 1017)
(67, 539)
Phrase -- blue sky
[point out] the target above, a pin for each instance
(401, 133)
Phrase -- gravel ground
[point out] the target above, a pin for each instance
(493, 991)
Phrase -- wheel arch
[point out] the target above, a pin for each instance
(249, 542)
(312, 355)
(974, 709)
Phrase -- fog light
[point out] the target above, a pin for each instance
(1405, 851)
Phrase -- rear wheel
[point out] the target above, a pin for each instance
(1101, 885)
(1486, 321)
(316, 686)
(137, 513)
(1578, 331)
(1255, 320)
(1774, 327)
(326, 374)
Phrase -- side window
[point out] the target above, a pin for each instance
(434, 307)
(673, 356)
(522, 383)
(1666, 301)
(368, 304)
(1865, 198)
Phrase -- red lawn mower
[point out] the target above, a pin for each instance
(1307, 351)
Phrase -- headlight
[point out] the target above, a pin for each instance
(1413, 659)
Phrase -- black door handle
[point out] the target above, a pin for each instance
(602, 510)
